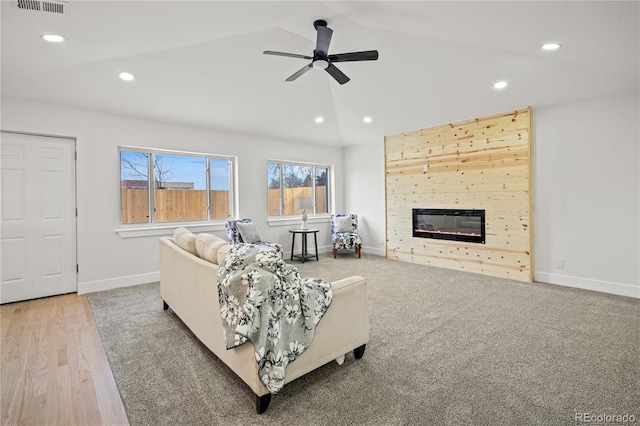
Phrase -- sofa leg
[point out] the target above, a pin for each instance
(262, 403)
(359, 351)
(164, 306)
(335, 253)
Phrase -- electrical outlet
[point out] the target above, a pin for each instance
(560, 263)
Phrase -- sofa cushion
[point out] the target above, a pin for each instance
(343, 224)
(207, 246)
(185, 239)
(222, 253)
(249, 233)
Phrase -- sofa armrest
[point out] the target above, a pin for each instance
(344, 327)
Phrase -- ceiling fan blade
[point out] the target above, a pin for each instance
(290, 55)
(324, 38)
(300, 72)
(369, 55)
(337, 74)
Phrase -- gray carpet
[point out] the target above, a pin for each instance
(446, 348)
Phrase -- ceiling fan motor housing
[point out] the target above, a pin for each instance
(319, 23)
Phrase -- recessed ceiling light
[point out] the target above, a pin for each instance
(126, 76)
(551, 46)
(367, 119)
(319, 120)
(52, 38)
(500, 84)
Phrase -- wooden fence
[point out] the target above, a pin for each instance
(174, 205)
(291, 196)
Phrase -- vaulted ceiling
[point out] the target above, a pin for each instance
(201, 63)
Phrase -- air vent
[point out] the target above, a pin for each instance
(42, 6)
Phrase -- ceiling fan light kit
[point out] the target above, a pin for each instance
(320, 64)
(321, 58)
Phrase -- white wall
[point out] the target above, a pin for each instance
(586, 162)
(105, 259)
(586, 194)
(364, 193)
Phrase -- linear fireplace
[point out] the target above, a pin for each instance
(449, 224)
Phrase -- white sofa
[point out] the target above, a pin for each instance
(188, 284)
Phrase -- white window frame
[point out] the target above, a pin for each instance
(312, 217)
(166, 228)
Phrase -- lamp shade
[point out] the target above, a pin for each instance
(305, 203)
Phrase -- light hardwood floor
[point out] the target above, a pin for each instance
(54, 370)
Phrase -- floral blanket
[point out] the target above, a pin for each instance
(264, 300)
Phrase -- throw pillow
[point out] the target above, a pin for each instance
(343, 224)
(249, 233)
(207, 246)
(185, 240)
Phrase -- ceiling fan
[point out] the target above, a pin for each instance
(321, 58)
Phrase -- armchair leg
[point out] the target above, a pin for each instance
(359, 251)
(164, 306)
(262, 403)
(335, 253)
(359, 351)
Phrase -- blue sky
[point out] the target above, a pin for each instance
(179, 169)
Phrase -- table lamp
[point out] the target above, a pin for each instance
(305, 203)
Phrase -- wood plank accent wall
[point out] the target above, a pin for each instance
(482, 163)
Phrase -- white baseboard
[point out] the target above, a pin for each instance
(329, 249)
(321, 249)
(325, 249)
(377, 251)
(545, 277)
(108, 284)
(587, 284)
(131, 280)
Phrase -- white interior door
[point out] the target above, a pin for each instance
(37, 217)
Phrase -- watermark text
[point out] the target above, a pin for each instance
(603, 418)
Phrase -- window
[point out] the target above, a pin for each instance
(186, 187)
(289, 181)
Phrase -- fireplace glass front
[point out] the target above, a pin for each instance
(449, 224)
